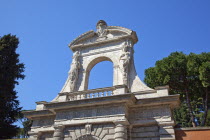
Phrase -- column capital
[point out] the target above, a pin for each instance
(121, 121)
(58, 126)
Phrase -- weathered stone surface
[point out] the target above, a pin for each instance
(127, 110)
(46, 135)
(43, 121)
(145, 129)
(150, 112)
(90, 112)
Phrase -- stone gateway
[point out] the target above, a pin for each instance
(129, 110)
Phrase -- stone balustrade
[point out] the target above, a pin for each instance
(101, 92)
(95, 93)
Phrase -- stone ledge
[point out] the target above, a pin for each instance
(122, 98)
(162, 87)
(94, 90)
(52, 106)
(37, 113)
(41, 102)
(171, 100)
(92, 121)
(145, 92)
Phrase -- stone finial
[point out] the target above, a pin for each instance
(101, 22)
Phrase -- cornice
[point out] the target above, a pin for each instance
(171, 100)
(122, 98)
(37, 113)
(106, 41)
(82, 36)
(129, 35)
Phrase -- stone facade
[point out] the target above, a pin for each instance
(129, 110)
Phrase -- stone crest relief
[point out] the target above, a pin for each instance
(101, 29)
(88, 128)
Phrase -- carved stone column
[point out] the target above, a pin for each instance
(58, 133)
(120, 131)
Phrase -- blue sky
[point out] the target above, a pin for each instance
(46, 27)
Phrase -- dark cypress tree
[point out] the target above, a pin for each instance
(10, 71)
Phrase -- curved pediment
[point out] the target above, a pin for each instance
(103, 34)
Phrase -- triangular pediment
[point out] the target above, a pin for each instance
(112, 33)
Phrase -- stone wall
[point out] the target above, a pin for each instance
(145, 133)
(46, 136)
(97, 131)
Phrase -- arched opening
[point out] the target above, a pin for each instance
(101, 75)
(88, 137)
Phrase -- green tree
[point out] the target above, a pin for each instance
(204, 71)
(182, 116)
(26, 123)
(10, 71)
(185, 75)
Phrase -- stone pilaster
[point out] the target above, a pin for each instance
(166, 130)
(121, 130)
(33, 135)
(58, 133)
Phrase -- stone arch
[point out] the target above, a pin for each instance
(88, 137)
(115, 46)
(92, 63)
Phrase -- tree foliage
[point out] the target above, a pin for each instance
(11, 70)
(26, 123)
(189, 76)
